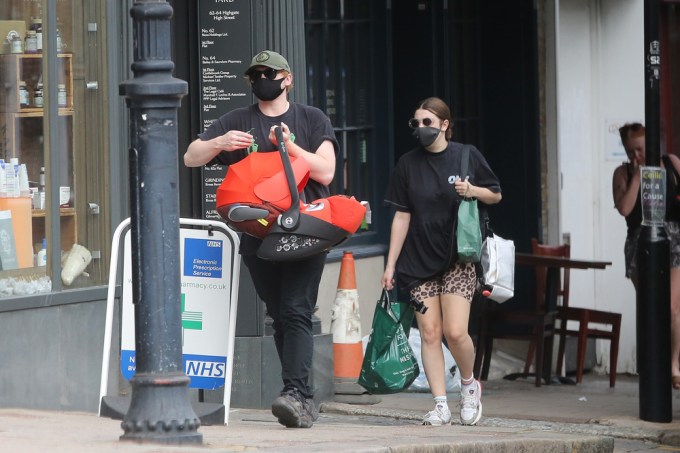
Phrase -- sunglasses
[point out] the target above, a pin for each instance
(269, 73)
(414, 123)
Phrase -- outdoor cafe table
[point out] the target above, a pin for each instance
(553, 265)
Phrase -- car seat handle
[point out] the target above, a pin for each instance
(289, 219)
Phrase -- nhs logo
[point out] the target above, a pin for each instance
(205, 372)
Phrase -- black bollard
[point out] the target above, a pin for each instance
(653, 256)
(160, 410)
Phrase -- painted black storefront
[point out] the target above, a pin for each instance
(367, 64)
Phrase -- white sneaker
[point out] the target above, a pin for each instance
(471, 404)
(438, 417)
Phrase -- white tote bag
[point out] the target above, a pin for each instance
(498, 263)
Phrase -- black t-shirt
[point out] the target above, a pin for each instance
(422, 184)
(309, 126)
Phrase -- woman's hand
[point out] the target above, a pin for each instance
(463, 188)
(387, 280)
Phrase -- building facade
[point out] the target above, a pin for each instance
(538, 87)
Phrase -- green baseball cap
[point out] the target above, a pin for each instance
(270, 59)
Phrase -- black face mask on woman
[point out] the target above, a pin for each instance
(426, 135)
(267, 90)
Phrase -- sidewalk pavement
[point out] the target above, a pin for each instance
(517, 417)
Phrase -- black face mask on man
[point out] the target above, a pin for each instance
(426, 135)
(267, 90)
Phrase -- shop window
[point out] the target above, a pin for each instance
(339, 83)
(52, 172)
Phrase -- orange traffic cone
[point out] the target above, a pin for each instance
(348, 350)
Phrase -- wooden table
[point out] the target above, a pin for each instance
(553, 265)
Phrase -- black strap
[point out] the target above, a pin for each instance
(464, 161)
(669, 163)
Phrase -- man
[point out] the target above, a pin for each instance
(289, 289)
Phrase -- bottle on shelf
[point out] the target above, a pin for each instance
(61, 95)
(11, 179)
(41, 180)
(16, 45)
(36, 26)
(41, 258)
(31, 45)
(3, 179)
(38, 100)
(60, 42)
(23, 95)
(41, 189)
(24, 186)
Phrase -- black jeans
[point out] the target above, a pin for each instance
(289, 291)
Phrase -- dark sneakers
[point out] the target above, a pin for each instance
(294, 410)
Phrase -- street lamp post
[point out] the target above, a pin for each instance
(653, 255)
(160, 410)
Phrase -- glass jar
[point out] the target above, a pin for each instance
(16, 45)
(61, 95)
(23, 95)
(31, 45)
(38, 96)
(36, 26)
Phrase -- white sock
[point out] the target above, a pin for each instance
(440, 402)
(466, 384)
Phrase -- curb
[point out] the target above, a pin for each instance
(623, 428)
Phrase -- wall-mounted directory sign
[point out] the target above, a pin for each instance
(225, 53)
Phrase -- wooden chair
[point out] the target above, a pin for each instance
(585, 317)
(536, 325)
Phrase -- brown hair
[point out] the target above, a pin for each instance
(631, 130)
(439, 108)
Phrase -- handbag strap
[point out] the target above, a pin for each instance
(669, 166)
(464, 161)
(385, 300)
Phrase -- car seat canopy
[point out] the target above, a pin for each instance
(259, 196)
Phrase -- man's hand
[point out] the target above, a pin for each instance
(233, 140)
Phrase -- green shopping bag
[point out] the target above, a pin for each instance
(468, 233)
(389, 365)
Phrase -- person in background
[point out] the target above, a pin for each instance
(626, 191)
(425, 189)
(288, 289)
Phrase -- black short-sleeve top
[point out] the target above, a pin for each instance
(309, 126)
(422, 184)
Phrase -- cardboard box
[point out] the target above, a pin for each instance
(9, 28)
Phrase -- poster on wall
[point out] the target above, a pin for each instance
(224, 52)
(207, 278)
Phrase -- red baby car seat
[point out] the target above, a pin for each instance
(260, 197)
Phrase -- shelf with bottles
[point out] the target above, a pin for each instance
(22, 136)
(69, 231)
(27, 68)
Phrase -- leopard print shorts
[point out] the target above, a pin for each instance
(460, 280)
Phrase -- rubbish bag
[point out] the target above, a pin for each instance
(389, 364)
(420, 384)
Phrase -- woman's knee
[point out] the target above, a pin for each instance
(456, 334)
(430, 334)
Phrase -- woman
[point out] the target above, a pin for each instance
(626, 190)
(426, 189)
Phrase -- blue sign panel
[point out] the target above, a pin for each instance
(202, 258)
